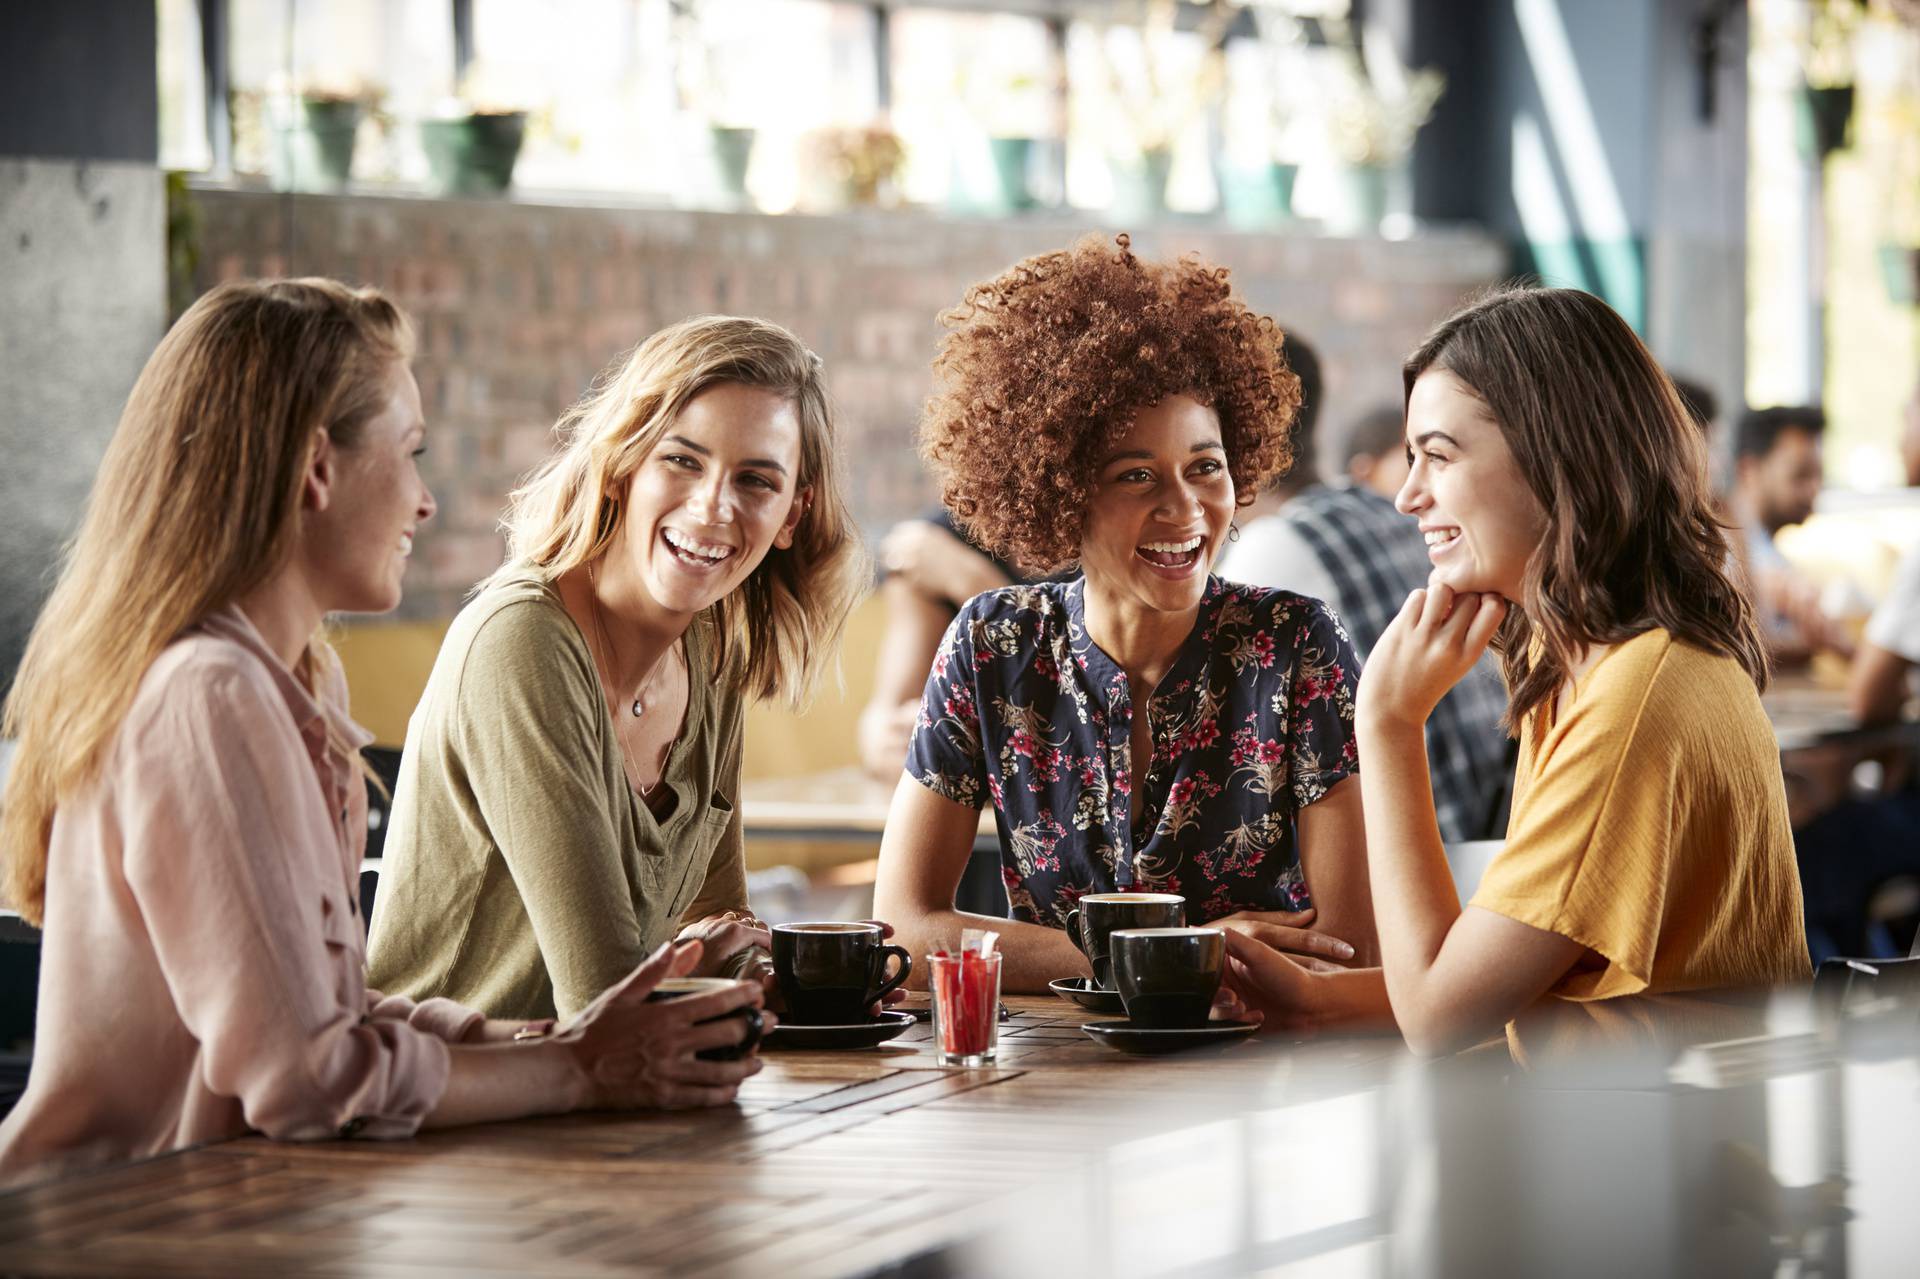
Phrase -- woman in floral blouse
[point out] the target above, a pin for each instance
(1098, 409)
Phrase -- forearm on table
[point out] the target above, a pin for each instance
(1031, 954)
(490, 1082)
(495, 1030)
(1414, 901)
(1333, 858)
(1343, 999)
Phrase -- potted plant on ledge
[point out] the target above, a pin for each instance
(473, 144)
(1374, 107)
(313, 137)
(1154, 99)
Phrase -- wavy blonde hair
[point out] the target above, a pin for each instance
(780, 630)
(195, 504)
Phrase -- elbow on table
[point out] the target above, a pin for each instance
(376, 1079)
(293, 1107)
(1434, 1033)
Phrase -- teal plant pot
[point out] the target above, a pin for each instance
(1013, 171)
(1140, 188)
(1360, 200)
(1283, 177)
(475, 154)
(1258, 197)
(1900, 272)
(313, 149)
(1820, 124)
(732, 153)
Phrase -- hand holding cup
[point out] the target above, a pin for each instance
(631, 1052)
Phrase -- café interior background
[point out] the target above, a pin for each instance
(1741, 181)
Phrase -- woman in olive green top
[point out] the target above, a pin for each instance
(568, 798)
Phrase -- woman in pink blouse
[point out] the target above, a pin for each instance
(185, 814)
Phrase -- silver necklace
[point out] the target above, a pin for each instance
(638, 706)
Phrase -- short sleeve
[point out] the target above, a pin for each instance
(1895, 625)
(1590, 844)
(945, 753)
(1319, 710)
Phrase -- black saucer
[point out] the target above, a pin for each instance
(1129, 1038)
(1082, 991)
(866, 1034)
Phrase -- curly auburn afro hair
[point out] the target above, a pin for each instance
(1044, 367)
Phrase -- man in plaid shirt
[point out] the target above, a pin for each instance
(1346, 544)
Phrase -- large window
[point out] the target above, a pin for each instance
(784, 103)
(1834, 224)
(974, 93)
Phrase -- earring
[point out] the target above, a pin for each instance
(1233, 531)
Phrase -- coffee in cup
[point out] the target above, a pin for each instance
(1167, 977)
(831, 973)
(680, 987)
(1098, 914)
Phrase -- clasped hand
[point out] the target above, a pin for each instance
(630, 1054)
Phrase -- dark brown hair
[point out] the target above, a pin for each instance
(1608, 450)
(1045, 366)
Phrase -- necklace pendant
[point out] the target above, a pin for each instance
(637, 708)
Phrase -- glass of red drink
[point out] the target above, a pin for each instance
(966, 1007)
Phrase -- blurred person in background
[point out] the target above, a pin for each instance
(1376, 449)
(1854, 849)
(1890, 649)
(1776, 482)
(932, 568)
(1346, 544)
(1701, 404)
(187, 811)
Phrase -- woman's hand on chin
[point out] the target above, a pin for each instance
(1427, 649)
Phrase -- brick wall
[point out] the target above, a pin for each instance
(519, 305)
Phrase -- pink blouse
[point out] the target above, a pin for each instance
(203, 960)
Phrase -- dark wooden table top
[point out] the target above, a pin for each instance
(831, 1163)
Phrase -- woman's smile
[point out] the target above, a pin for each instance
(695, 553)
(1174, 559)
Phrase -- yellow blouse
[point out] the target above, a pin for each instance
(1650, 825)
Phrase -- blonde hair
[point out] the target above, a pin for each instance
(195, 504)
(780, 630)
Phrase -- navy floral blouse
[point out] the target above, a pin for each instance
(1253, 722)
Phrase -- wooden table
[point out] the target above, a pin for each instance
(1065, 1158)
(1822, 746)
(831, 1163)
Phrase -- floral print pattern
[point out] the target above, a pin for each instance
(1253, 723)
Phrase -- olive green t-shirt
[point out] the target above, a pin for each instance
(523, 875)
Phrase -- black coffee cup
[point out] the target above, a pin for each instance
(831, 973)
(1098, 914)
(679, 987)
(1168, 977)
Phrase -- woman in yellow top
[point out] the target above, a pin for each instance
(1565, 504)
